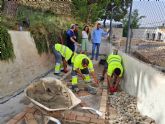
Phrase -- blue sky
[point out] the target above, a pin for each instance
(153, 10)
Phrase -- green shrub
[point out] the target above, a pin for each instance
(6, 46)
(39, 34)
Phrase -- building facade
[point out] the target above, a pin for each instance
(152, 34)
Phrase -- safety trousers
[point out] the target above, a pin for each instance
(85, 72)
(58, 60)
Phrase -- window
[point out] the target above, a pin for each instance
(159, 36)
(148, 36)
(153, 36)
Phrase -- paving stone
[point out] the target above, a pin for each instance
(78, 113)
(97, 121)
(70, 116)
(90, 115)
(83, 119)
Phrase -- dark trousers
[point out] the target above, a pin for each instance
(72, 47)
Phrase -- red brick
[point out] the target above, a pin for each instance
(83, 93)
(29, 116)
(70, 116)
(98, 121)
(30, 110)
(29, 119)
(57, 114)
(78, 113)
(90, 115)
(83, 119)
(19, 116)
(12, 121)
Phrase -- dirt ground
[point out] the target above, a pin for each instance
(51, 95)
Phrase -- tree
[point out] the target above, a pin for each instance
(95, 9)
(119, 8)
(85, 10)
(135, 18)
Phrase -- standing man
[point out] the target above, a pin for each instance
(62, 54)
(114, 72)
(71, 39)
(97, 34)
(82, 66)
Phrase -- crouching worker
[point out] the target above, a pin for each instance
(62, 54)
(114, 72)
(82, 66)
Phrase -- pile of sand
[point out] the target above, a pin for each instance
(50, 95)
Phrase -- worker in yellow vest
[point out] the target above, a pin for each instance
(82, 66)
(114, 70)
(62, 54)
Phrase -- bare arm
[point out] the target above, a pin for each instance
(117, 82)
(109, 81)
(94, 77)
(72, 39)
(80, 74)
(65, 65)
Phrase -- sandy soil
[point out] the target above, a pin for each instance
(50, 94)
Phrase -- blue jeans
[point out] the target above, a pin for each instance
(93, 50)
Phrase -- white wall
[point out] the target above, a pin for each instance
(148, 85)
(142, 33)
(139, 33)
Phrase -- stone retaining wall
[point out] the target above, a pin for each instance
(61, 7)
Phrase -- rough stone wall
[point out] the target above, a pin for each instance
(61, 7)
(10, 7)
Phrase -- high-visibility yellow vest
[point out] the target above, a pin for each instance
(114, 61)
(64, 50)
(77, 62)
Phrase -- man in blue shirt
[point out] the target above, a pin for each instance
(71, 39)
(97, 33)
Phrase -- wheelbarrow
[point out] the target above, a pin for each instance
(44, 108)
